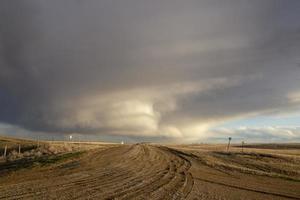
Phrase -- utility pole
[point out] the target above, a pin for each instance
(229, 139)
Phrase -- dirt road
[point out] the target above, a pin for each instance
(142, 171)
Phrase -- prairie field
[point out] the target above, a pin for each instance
(95, 170)
(182, 91)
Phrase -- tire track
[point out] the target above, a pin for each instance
(125, 172)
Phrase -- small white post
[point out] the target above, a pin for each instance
(5, 151)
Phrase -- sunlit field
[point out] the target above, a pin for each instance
(91, 170)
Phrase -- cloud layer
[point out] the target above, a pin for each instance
(257, 134)
(159, 68)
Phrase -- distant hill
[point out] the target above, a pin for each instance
(273, 146)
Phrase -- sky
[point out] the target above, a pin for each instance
(159, 70)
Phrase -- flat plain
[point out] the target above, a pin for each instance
(83, 170)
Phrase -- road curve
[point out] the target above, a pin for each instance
(125, 172)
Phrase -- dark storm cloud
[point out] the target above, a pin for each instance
(146, 68)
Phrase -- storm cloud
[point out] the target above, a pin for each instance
(161, 68)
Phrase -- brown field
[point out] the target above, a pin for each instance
(59, 170)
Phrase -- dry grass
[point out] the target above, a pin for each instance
(274, 160)
(34, 152)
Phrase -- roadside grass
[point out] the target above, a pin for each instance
(256, 163)
(27, 163)
(12, 144)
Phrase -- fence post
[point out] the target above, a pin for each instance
(19, 149)
(5, 151)
(243, 146)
